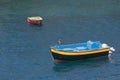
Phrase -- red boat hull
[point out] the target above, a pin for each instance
(36, 22)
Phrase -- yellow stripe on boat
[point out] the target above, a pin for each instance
(79, 53)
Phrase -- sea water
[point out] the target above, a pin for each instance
(24, 48)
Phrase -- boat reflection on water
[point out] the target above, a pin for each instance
(91, 63)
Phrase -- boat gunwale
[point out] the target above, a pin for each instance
(33, 19)
(79, 52)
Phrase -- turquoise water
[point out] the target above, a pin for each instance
(24, 48)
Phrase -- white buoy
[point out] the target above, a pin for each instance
(110, 52)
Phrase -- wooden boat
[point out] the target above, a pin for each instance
(34, 20)
(80, 51)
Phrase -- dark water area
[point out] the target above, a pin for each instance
(24, 48)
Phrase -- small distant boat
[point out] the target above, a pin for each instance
(80, 51)
(35, 20)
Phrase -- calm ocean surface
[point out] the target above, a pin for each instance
(24, 48)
